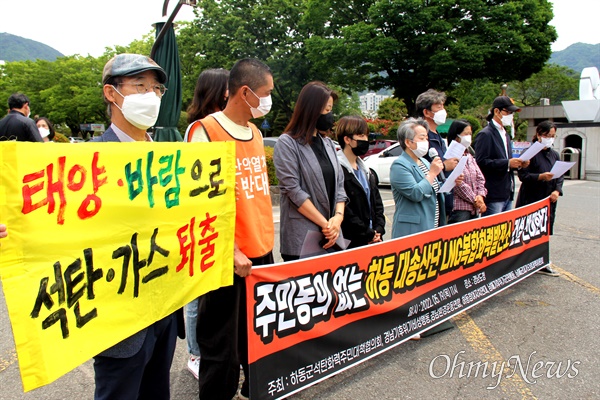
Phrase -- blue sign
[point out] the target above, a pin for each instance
(265, 124)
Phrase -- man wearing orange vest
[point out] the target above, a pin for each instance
(221, 329)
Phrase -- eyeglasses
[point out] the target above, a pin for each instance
(142, 89)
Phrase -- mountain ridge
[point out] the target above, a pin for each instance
(17, 48)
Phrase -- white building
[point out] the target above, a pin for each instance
(369, 103)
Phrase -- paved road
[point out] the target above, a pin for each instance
(542, 320)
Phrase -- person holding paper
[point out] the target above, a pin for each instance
(493, 152)
(537, 182)
(469, 195)
(419, 206)
(310, 176)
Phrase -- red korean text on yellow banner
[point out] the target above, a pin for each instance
(107, 238)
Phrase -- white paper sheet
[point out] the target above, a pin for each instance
(528, 154)
(560, 167)
(451, 180)
(455, 150)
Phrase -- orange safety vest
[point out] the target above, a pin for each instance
(254, 229)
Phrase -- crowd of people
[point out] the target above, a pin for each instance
(323, 191)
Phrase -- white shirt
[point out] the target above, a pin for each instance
(238, 132)
(123, 137)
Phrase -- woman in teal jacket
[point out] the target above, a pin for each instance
(419, 206)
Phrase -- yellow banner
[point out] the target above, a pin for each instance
(107, 238)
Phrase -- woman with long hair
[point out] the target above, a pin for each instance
(310, 176)
(210, 96)
(46, 128)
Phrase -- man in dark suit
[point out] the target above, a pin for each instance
(493, 152)
(137, 367)
(17, 125)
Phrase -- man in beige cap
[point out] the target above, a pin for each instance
(137, 367)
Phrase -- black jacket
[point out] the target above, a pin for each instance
(533, 190)
(357, 213)
(493, 163)
(16, 126)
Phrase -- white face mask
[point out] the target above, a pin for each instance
(547, 141)
(140, 110)
(465, 140)
(263, 108)
(439, 117)
(507, 120)
(44, 132)
(421, 150)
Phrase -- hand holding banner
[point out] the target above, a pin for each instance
(106, 240)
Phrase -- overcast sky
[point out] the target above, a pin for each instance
(87, 27)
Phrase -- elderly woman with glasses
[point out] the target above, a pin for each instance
(419, 205)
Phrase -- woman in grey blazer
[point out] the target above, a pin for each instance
(310, 176)
(414, 183)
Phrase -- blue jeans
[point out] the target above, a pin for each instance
(497, 207)
(191, 319)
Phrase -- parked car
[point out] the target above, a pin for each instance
(270, 141)
(380, 163)
(377, 146)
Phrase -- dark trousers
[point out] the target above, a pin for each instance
(552, 216)
(222, 337)
(146, 374)
(460, 216)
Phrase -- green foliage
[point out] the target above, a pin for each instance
(435, 44)
(273, 181)
(475, 123)
(465, 48)
(346, 104)
(554, 82)
(392, 109)
(68, 90)
(521, 131)
(182, 124)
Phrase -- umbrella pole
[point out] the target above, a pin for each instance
(166, 26)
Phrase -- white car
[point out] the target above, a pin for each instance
(380, 163)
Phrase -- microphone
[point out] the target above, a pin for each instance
(433, 154)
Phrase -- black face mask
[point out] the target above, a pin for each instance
(325, 122)
(362, 146)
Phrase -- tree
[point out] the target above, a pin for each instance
(553, 82)
(68, 90)
(436, 43)
(392, 109)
